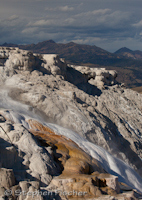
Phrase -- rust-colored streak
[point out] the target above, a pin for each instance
(72, 157)
(35, 125)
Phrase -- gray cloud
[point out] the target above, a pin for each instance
(60, 8)
(66, 8)
(13, 17)
(109, 24)
(138, 24)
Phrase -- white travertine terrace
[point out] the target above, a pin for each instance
(86, 100)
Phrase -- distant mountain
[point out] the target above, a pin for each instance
(72, 52)
(128, 63)
(129, 53)
(80, 53)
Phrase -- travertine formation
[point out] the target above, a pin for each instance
(88, 101)
(14, 59)
(37, 160)
(98, 76)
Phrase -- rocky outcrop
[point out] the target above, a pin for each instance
(88, 101)
(54, 64)
(15, 60)
(85, 186)
(98, 76)
(24, 154)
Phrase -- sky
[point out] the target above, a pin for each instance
(109, 24)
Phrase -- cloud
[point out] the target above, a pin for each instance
(50, 9)
(101, 11)
(94, 12)
(88, 40)
(139, 24)
(60, 8)
(99, 22)
(92, 27)
(103, 18)
(115, 19)
(13, 17)
(66, 8)
(69, 20)
(30, 30)
(43, 22)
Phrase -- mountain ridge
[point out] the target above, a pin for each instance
(124, 51)
(35, 46)
(50, 46)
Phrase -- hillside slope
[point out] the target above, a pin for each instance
(129, 53)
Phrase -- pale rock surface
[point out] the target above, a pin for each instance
(106, 119)
(7, 178)
(25, 156)
(54, 64)
(89, 101)
(76, 182)
(98, 76)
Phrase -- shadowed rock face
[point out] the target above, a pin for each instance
(7, 178)
(98, 76)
